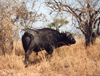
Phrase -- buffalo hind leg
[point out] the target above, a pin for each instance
(27, 57)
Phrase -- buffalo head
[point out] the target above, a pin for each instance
(68, 38)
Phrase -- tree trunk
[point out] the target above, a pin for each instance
(94, 35)
(90, 36)
(88, 39)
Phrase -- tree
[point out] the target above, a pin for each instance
(25, 17)
(85, 12)
(6, 31)
(57, 23)
(14, 15)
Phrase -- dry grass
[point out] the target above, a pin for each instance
(72, 60)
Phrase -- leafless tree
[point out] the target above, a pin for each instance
(85, 12)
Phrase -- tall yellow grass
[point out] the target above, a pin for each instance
(74, 60)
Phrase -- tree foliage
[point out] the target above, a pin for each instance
(85, 12)
(57, 23)
(6, 31)
(14, 15)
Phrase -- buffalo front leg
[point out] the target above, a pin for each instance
(49, 49)
(27, 57)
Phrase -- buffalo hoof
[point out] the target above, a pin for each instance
(26, 66)
(26, 63)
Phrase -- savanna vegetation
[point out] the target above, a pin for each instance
(75, 60)
(72, 60)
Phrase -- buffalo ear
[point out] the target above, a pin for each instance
(67, 34)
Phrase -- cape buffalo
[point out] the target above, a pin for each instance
(37, 40)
